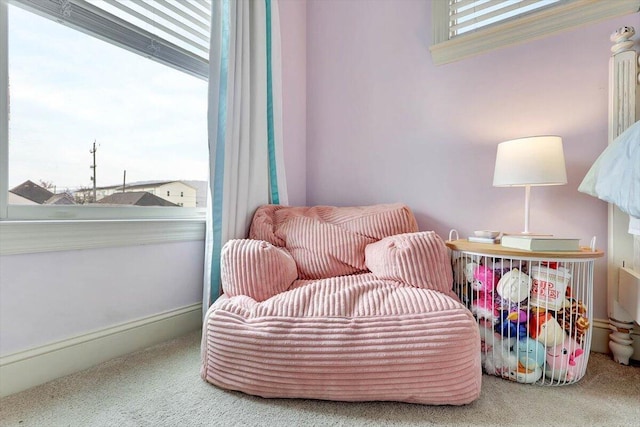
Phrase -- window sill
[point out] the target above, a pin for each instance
(22, 237)
(529, 27)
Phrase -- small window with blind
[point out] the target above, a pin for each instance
(462, 28)
(107, 104)
(470, 15)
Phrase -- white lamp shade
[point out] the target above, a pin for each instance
(537, 160)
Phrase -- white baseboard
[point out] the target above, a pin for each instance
(600, 338)
(26, 369)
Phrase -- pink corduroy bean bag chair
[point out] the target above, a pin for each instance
(341, 303)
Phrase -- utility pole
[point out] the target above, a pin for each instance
(124, 180)
(93, 178)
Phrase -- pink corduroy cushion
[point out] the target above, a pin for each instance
(255, 268)
(329, 241)
(417, 259)
(351, 338)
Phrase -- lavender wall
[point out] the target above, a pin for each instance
(293, 23)
(52, 296)
(385, 124)
(46, 297)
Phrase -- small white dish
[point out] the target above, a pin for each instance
(487, 233)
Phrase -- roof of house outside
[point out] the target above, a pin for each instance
(135, 198)
(32, 191)
(60, 199)
(140, 184)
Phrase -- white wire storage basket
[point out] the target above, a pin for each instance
(533, 314)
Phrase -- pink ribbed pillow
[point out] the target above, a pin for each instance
(255, 268)
(417, 259)
(323, 250)
(329, 241)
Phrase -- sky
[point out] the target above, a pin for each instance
(68, 89)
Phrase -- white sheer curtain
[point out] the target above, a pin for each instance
(245, 124)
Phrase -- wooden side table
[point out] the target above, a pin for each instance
(533, 309)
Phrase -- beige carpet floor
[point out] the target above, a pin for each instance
(161, 386)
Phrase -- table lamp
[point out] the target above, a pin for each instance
(526, 162)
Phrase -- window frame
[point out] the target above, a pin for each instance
(552, 19)
(31, 229)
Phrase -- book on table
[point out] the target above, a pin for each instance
(478, 239)
(540, 243)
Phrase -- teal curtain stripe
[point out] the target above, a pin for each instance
(218, 180)
(273, 172)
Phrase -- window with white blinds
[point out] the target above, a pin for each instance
(127, 77)
(469, 15)
(462, 28)
(173, 32)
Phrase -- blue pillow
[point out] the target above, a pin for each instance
(615, 175)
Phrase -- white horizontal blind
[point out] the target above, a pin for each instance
(175, 32)
(184, 23)
(469, 15)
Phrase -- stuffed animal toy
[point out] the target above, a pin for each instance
(565, 361)
(544, 328)
(486, 336)
(513, 288)
(498, 265)
(573, 318)
(484, 280)
(501, 362)
(463, 268)
(531, 358)
(483, 284)
(512, 324)
(503, 304)
(483, 307)
(531, 354)
(489, 338)
(524, 375)
(469, 269)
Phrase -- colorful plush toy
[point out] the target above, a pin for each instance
(531, 357)
(483, 307)
(483, 284)
(484, 280)
(469, 269)
(573, 318)
(544, 328)
(513, 288)
(512, 324)
(565, 361)
(489, 338)
(524, 375)
(486, 337)
(501, 362)
(531, 354)
(463, 268)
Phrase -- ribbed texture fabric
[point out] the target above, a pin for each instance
(327, 241)
(341, 332)
(346, 296)
(417, 259)
(348, 338)
(255, 268)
